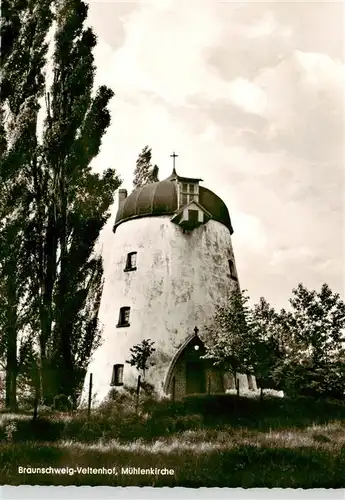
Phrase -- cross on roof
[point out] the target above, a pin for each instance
(196, 330)
(173, 156)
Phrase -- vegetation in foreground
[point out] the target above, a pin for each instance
(209, 441)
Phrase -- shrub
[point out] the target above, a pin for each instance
(62, 403)
(9, 429)
(119, 401)
(125, 401)
(40, 429)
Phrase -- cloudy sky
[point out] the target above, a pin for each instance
(251, 97)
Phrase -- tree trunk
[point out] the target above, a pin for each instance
(64, 324)
(37, 396)
(11, 344)
(11, 387)
(46, 382)
(138, 393)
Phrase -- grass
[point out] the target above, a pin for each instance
(208, 441)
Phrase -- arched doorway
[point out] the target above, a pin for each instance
(189, 373)
(195, 367)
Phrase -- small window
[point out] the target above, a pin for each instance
(193, 216)
(124, 317)
(232, 270)
(117, 376)
(188, 193)
(131, 261)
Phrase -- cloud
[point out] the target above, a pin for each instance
(250, 232)
(156, 57)
(248, 96)
(251, 96)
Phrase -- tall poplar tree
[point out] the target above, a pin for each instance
(24, 26)
(66, 203)
(144, 172)
(67, 225)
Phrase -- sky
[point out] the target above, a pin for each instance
(250, 95)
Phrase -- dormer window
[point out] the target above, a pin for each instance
(191, 216)
(188, 193)
(131, 262)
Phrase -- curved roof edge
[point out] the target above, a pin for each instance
(161, 198)
(141, 216)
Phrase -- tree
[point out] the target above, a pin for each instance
(246, 339)
(228, 341)
(12, 310)
(140, 355)
(66, 204)
(153, 175)
(144, 173)
(268, 345)
(24, 26)
(67, 225)
(315, 362)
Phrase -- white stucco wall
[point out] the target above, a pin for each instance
(178, 282)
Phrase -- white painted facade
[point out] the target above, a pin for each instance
(179, 280)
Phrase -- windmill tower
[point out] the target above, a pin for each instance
(172, 263)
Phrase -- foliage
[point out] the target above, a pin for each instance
(300, 351)
(119, 420)
(144, 173)
(315, 362)
(317, 324)
(140, 355)
(269, 342)
(24, 27)
(62, 403)
(61, 205)
(229, 340)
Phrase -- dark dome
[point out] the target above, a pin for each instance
(160, 198)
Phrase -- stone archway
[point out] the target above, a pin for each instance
(190, 374)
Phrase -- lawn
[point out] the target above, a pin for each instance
(299, 445)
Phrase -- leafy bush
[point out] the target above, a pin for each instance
(307, 379)
(62, 403)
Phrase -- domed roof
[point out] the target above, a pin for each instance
(160, 198)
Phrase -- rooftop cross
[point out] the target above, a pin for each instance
(173, 156)
(196, 330)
